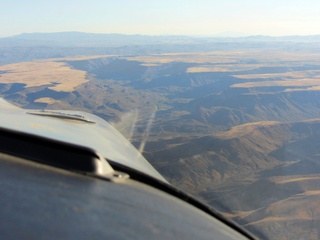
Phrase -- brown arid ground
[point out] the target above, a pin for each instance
(296, 217)
(284, 206)
(39, 73)
(230, 60)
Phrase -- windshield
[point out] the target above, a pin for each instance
(221, 97)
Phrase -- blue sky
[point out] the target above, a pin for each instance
(158, 17)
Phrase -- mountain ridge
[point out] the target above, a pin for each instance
(117, 39)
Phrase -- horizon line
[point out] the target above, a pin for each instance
(218, 35)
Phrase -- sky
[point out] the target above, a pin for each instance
(162, 17)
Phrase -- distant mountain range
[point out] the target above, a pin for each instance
(106, 40)
(30, 46)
